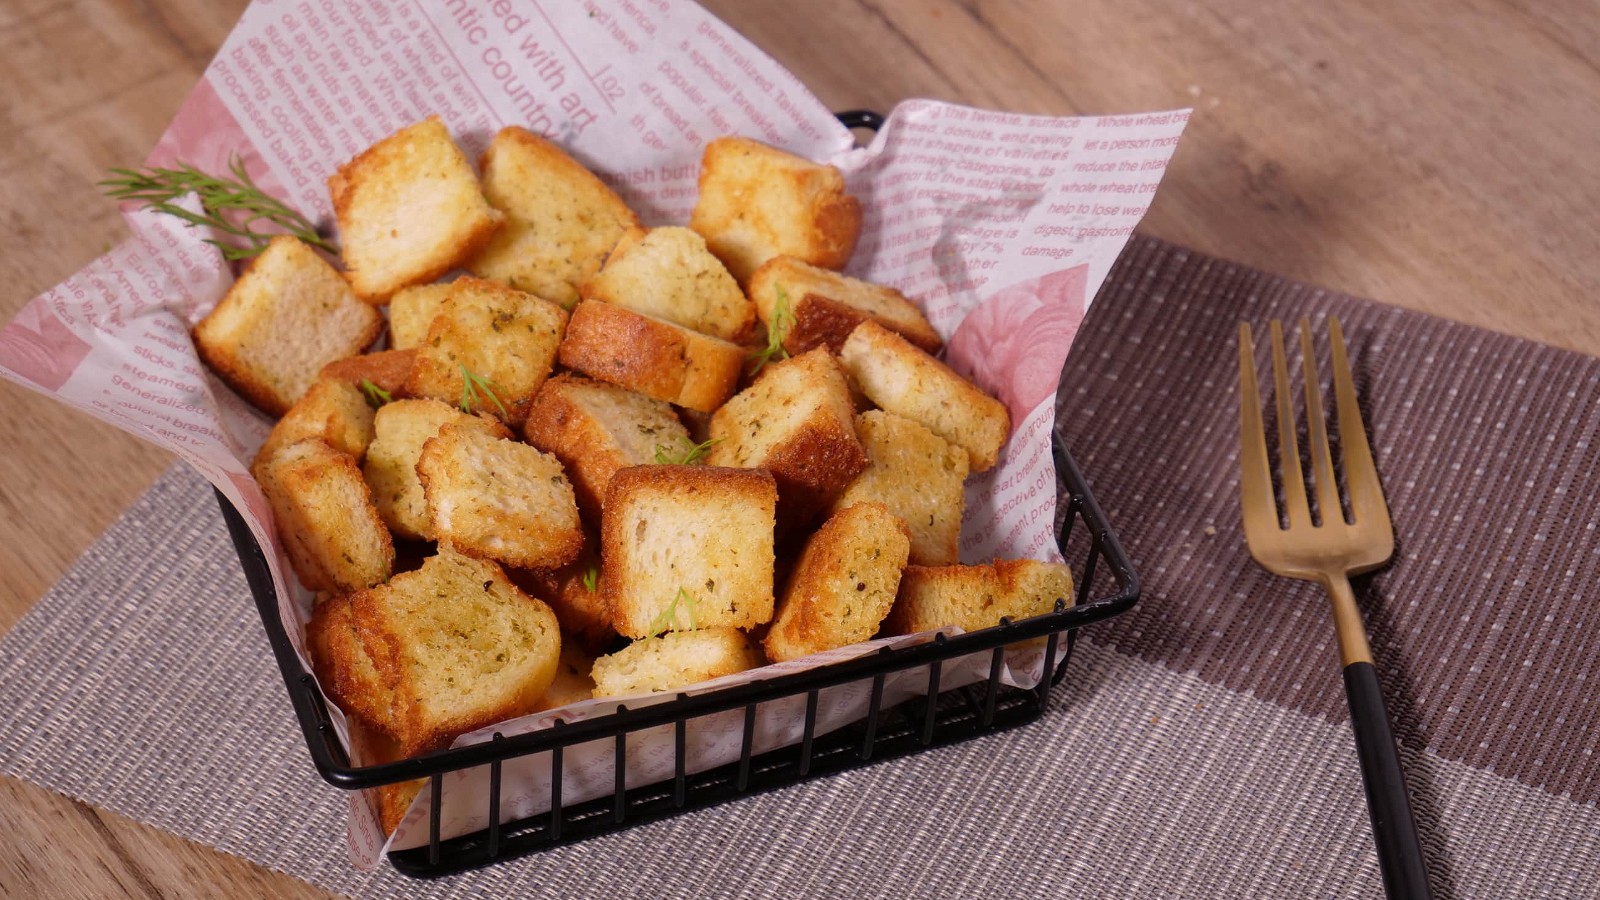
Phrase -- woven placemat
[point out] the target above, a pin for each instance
(1197, 750)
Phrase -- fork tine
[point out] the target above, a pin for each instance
(1317, 433)
(1294, 484)
(1255, 473)
(1360, 472)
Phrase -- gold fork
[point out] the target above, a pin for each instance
(1329, 552)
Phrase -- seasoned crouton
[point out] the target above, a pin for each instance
(325, 517)
(824, 306)
(687, 547)
(399, 430)
(908, 382)
(487, 332)
(843, 584)
(409, 210)
(343, 668)
(574, 681)
(573, 591)
(797, 422)
(561, 220)
(287, 316)
(459, 646)
(595, 429)
(919, 476)
(974, 597)
(675, 660)
(386, 371)
(668, 273)
(499, 499)
(411, 311)
(334, 411)
(757, 202)
(655, 358)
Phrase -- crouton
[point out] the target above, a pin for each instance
(287, 316)
(919, 476)
(336, 412)
(675, 660)
(573, 683)
(409, 210)
(843, 585)
(561, 220)
(757, 202)
(824, 307)
(458, 645)
(655, 358)
(325, 517)
(489, 347)
(687, 547)
(386, 371)
(573, 591)
(411, 311)
(668, 273)
(343, 668)
(498, 499)
(908, 382)
(399, 430)
(975, 597)
(797, 422)
(596, 428)
(392, 800)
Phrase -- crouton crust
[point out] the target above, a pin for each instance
(826, 306)
(343, 668)
(387, 370)
(976, 597)
(325, 517)
(655, 358)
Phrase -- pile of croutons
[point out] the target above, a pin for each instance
(687, 450)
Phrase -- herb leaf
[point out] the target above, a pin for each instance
(376, 396)
(694, 453)
(591, 579)
(777, 330)
(474, 388)
(669, 616)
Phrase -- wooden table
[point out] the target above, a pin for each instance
(1438, 155)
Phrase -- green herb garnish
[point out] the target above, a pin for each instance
(777, 330)
(694, 453)
(376, 396)
(591, 579)
(669, 616)
(473, 388)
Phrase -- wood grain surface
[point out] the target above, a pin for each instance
(1435, 154)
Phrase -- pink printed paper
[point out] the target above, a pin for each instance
(1001, 226)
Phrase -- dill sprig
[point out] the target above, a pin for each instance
(232, 206)
(591, 579)
(777, 330)
(694, 453)
(669, 616)
(376, 396)
(473, 388)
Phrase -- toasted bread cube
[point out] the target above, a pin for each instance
(499, 499)
(825, 306)
(675, 660)
(409, 210)
(325, 517)
(596, 428)
(336, 412)
(919, 476)
(797, 422)
(843, 585)
(668, 273)
(386, 371)
(505, 337)
(459, 645)
(573, 591)
(757, 202)
(908, 382)
(412, 310)
(687, 547)
(655, 358)
(561, 220)
(975, 597)
(399, 430)
(287, 316)
(574, 681)
(343, 668)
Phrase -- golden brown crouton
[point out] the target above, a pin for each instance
(399, 430)
(797, 422)
(343, 668)
(498, 499)
(334, 411)
(975, 597)
(596, 428)
(409, 210)
(488, 348)
(687, 547)
(843, 585)
(824, 307)
(675, 660)
(668, 273)
(908, 382)
(757, 202)
(287, 316)
(386, 370)
(573, 591)
(919, 476)
(655, 358)
(458, 645)
(325, 517)
(574, 681)
(411, 311)
(561, 220)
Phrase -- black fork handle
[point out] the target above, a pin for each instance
(1405, 872)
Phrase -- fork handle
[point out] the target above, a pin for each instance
(1405, 873)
